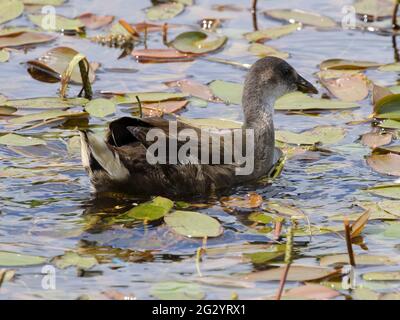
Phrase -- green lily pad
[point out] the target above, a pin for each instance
(153, 210)
(260, 217)
(306, 18)
(72, 259)
(388, 107)
(382, 276)
(362, 259)
(165, 11)
(272, 33)
(10, 9)
(320, 134)
(193, 224)
(374, 8)
(4, 56)
(343, 64)
(389, 124)
(387, 190)
(393, 230)
(13, 259)
(44, 2)
(391, 67)
(198, 42)
(263, 257)
(46, 115)
(229, 92)
(301, 101)
(130, 97)
(261, 50)
(212, 123)
(61, 23)
(100, 108)
(16, 140)
(45, 103)
(171, 290)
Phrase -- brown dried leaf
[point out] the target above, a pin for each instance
(160, 55)
(312, 291)
(193, 88)
(348, 88)
(250, 201)
(376, 139)
(93, 21)
(159, 108)
(385, 163)
(358, 226)
(25, 38)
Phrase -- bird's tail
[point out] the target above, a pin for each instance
(98, 155)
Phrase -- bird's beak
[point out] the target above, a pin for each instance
(304, 86)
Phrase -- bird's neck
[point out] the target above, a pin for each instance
(258, 107)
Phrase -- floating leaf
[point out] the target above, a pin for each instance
(130, 97)
(153, 210)
(10, 9)
(260, 217)
(304, 17)
(6, 275)
(193, 224)
(272, 33)
(311, 291)
(4, 55)
(284, 209)
(389, 124)
(6, 111)
(176, 291)
(92, 21)
(160, 55)
(263, 257)
(56, 23)
(374, 8)
(393, 231)
(13, 259)
(296, 273)
(262, 50)
(46, 115)
(193, 88)
(45, 103)
(197, 42)
(382, 276)
(388, 107)
(100, 108)
(343, 64)
(12, 139)
(164, 11)
(250, 201)
(388, 190)
(159, 108)
(320, 134)
(53, 64)
(376, 139)
(348, 88)
(385, 163)
(391, 67)
(319, 168)
(24, 38)
(44, 2)
(212, 123)
(301, 101)
(229, 92)
(362, 259)
(72, 259)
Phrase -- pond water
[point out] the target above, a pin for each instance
(48, 208)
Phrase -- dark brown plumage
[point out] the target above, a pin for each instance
(120, 163)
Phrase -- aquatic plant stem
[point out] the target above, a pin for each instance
(140, 107)
(87, 87)
(145, 37)
(165, 34)
(348, 241)
(288, 261)
(254, 15)
(395, 26)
